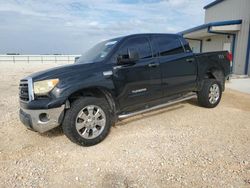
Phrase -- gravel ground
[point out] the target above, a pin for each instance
(180, 146)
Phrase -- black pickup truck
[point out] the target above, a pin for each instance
(119, 78)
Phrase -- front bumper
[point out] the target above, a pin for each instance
(42, 120)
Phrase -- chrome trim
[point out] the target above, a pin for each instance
(184, 98)
(214, 93)
(117, 67)
(43, 126)
(107, 73)
(139, 90)
(30, 89)
(24, 81)
(90, 122)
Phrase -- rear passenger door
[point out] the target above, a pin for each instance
(178, 66)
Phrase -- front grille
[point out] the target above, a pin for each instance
(24, 90)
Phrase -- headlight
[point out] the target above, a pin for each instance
(45, 86)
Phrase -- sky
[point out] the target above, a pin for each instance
(73, 26)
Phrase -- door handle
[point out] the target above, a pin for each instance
(153, 64)
(190, 60)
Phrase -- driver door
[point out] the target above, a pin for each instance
(137, 82)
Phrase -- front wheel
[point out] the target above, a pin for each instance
(88, 121)
(210, 94)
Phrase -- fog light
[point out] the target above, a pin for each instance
(44, 117)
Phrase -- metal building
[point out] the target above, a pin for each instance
(227, 27)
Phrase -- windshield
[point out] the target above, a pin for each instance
(98, 52)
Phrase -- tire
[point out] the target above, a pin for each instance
(210, 94)
(83, 113)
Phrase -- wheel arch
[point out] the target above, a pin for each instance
(216, 73)
(99, 92)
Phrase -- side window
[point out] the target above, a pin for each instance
(169, 46)
(186, 46)
(139, 44)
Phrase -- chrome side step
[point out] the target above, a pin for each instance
(171, 102)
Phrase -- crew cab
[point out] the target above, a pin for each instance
(119, 78)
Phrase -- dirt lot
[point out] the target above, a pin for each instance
(180, 146)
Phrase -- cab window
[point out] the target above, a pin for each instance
(139, 44)
(168, 45)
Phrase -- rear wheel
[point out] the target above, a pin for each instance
(210, 94)
(88, 121)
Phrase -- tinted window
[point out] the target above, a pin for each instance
(169, 46)
(139, 44)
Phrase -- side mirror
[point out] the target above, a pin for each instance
(129, 58)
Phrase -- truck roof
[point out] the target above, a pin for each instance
(154, 34)
(149, 34)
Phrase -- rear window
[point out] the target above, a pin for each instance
(168, 45)
(186, 45)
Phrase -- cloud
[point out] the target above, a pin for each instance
(72, 26)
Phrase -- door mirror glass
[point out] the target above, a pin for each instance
(130, 58)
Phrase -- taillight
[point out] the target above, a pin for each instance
(230, 56)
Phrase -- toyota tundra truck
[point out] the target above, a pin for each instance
(119, 78)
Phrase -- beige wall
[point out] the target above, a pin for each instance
(234, 10)
(194, 45)
(216, 43)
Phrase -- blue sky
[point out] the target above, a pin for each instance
(72, 26)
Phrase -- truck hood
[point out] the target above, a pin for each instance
(65, 71)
